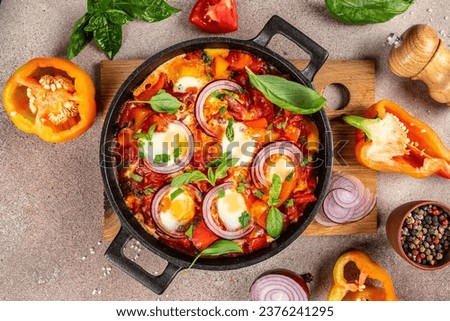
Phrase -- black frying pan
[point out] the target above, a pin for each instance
(130, 226)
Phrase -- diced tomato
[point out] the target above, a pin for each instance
(292, 133)
(202, 237)
(239, 60)
(304, 198)
(258, 242)
(261, 221)
(215, 16)
(151, 90)
(257, 123)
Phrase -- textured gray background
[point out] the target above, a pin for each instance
(51, 203)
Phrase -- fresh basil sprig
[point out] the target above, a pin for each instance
(358, 12)
(287, 94)
(222, 164)
(229, 131)
(218, 248)
(104, 20)
(164, 102)
(274, 221)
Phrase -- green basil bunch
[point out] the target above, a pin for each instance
(359, 12)
(104, 20)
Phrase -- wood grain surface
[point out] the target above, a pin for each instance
(358, 76)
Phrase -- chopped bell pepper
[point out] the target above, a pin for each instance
(358, 290)
(52, 98)
(392, 140)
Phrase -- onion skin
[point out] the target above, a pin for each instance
(203, 96)
(282, 285)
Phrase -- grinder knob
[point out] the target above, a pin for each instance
(421, 55)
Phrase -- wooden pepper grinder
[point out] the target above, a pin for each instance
(419, 54)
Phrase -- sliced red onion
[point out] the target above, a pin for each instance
(282, 148)
(348, 201)
(203, 96)
(211, 222)
(277, 287)
(155, 207)
(179, 164)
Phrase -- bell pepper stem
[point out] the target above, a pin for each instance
(361, 123)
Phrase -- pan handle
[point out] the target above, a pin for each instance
(157, 284)
(277, 25)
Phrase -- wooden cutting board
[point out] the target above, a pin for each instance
(358, 76)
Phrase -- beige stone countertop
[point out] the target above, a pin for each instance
(51, 199)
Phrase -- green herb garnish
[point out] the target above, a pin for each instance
(175, 193)
(275, 190)
(274, 222)
(206, 58)
(289, 203)
(218, 248)
(229, 132)
(188, 177)
(358, 12)
(221, 193)
(164, 102)
(290, 176)
(177, 152)
(161, 158)
(136, 177)
(245, 219)
(223, 110)
(189, 231)
(287, 94)
(306, 161)
(149, 191)
(104, 19)
(258, 193)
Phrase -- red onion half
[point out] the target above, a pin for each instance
(212, 223)
(203, 96)
(289, 149)
(279, 287)
(193, 192)
(347, 201)
(179, 164)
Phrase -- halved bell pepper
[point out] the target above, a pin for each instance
(358, 290)
(52, 98)
(390, 139)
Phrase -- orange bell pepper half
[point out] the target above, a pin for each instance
(52, 98)
(358, 290)
(390, 139)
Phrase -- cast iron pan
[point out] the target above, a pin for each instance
(130, 226)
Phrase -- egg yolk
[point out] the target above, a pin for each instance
(177, 212)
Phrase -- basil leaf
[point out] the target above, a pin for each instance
(79, 37)
(136, 177)
(177, 152)
(274, 222)
(222, 169)
(287, 94)
(221, 193)
(275, 190)
(175, 193)
(164, 102)
(217, 95)
(150, 132)
(229, 132)
(358, 12)
(211, 176)
(245, 219)
(189, 231)
(147, 10)
(188, 177)
(218, 248)
(107, 36)
(161, 158)
(118, 17)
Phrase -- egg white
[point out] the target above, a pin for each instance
(171, 220)
(184, 83)
(230, 208)
(282, 167)
(242, 147)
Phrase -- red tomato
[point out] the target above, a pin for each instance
(215, 16)
(202, 237)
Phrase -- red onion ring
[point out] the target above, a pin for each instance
(348, 201)
(277, 287)
(177, 166)
(204, 94)
(281, 147)
(212, 224)
(155, 208)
